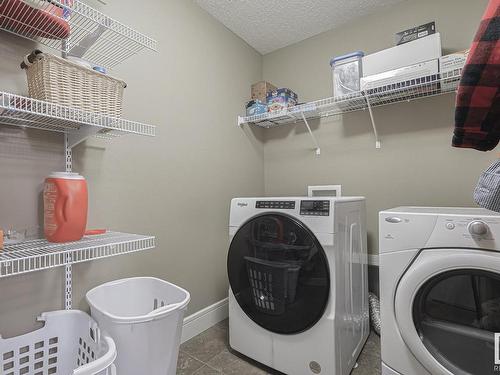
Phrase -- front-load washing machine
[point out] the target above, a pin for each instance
(298, 298)
(440, 291)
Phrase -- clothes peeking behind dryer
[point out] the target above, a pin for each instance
(487, 192)
(477, 114)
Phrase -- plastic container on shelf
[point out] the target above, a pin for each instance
(35, 18)
(256, 107)
(347, 71)
(70, 343)
(144, 316)
(65, 201)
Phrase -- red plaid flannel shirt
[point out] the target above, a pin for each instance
(477, 114)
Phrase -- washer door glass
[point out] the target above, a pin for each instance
(456, 314)
(278, 273)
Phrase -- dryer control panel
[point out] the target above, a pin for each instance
(428, 227)
(315, 208)
(284, 205)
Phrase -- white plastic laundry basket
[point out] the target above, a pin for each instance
(70, 343)
(144, 316)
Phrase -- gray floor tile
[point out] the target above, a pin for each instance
(209, 354)
(372, 346)
(367, 365)
(241, 366)
(230, 362)
(187, 365)
(207, 344)
(222, 360)
(369, 362)
(206, 370)
(223, 325)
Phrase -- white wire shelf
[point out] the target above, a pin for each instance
(36, 255)
(72, 27)
(26, 112)
(358, 101)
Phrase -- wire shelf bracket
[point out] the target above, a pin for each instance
(76, 138)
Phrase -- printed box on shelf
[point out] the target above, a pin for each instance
(281, 99)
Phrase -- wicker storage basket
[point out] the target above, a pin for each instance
(57, 80)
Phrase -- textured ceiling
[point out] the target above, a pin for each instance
(268, 25)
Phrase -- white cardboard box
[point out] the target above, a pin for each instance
(409, 76)
(451, 65)
(420, 50)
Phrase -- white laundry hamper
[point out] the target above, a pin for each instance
(70, 343)
(144, 316)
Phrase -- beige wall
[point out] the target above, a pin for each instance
(176, 186)
(416, 165)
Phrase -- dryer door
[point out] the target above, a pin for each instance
(279, 273)
(447, 308)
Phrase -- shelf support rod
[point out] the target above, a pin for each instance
(375, 132)
(68, 274)
(316, 144)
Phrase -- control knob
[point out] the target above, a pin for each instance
(478, 228)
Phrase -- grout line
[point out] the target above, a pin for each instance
(213, 368)
(210, 367)
(203, 362)
(192, 357)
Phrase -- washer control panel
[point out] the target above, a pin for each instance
(282, 205)
(428, 227)
(471, 227)
(315, 208)
(464, 231)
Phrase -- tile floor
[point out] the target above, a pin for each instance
(209, 354)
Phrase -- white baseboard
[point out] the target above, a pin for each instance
(204, 319)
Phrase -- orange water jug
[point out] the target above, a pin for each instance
(65, 203)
